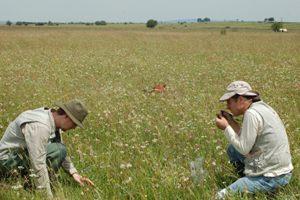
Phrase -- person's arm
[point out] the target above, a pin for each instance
(69, 167)
(244, 142)
(36, 138)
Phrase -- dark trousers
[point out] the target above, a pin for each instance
(18, 160)
(236, 159)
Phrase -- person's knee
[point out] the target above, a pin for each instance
(234, 155)
(241, 185)
(231, 151)
(62, 150)
(56, 151)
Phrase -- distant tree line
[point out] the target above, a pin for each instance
(206, 19)
(50, 23)
(20, 23)
(102, 22)
(270, 19)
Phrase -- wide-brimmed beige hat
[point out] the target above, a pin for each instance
(75, 109)
(238, 87)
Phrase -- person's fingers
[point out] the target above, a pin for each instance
(218, 119)
(79, 180)
(88, 181)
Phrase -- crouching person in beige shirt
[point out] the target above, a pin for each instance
(33, 141)
(259, 148)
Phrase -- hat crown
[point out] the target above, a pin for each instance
(239, 87)
(77, 109)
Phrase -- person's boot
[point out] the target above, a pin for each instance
(239, 168)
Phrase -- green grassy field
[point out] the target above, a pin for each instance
(138, 145)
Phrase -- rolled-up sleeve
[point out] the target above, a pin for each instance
(244, 141)
(36, 138)
(69, 166)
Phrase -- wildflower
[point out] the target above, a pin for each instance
(185, 179)
(16, 187)
(123, 166)
(154, 140)
(20, 167)
(32, 175)
(128, 180)
(128, 165)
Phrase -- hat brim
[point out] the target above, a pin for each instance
(227, 96)
(62, 106)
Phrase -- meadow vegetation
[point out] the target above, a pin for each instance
(138, 145)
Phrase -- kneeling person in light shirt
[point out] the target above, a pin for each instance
(33, 140)
(259, 148)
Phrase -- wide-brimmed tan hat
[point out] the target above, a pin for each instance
(238, 87)
(75, 109)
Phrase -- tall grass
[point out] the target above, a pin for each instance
(138, 145)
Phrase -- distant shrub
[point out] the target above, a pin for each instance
(206, 19)
(270, 19)
(8, 23)
(40, 23)
(151, 23)
(199, 20)
(102, 22)
(276, 26)
(223, 31)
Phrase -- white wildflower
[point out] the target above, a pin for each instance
(16, 187)
(128, 165)
(128, 180)
(20, 167)
(154, 140)
(123, 166)
(32, 175)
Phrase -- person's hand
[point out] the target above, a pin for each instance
(82, 180)
(221, 122)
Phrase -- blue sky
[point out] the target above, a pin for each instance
(142, 10)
